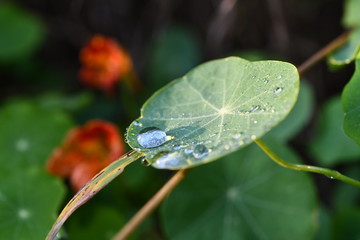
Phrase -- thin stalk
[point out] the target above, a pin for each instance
(307, 168)
(150, 206)
(322, 53)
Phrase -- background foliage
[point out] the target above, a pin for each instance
(42, 98)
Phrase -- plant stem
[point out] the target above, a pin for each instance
(151, 205)
(322, 53)
(300, 167)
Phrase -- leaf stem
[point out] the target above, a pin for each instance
(322, 53)
(300, 167)
(151, 205)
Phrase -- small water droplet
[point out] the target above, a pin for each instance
(145, 162)
(200, 151)
(279, 77)
(266, 81)
(151, 137)
(255, 108)
(138, 124)
(227, 147)
(188, 151)
(168, 160)
(253, 137)
(255, 122)
(278, 90)
(237, 136)
(178, 147)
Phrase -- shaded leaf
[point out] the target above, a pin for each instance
(28, 134)
(21, 32)
(347, 53)
(215, 109)
(175, 52)
(244, 196)
(330, 144)
(351, 104)
(28, 203)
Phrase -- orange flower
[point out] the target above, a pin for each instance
(104, 63)
(85, 151)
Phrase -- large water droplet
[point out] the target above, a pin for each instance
(278, 90)
(200, 151)
(151, 137)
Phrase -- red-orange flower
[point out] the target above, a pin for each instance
(85, 151)
(104, 63)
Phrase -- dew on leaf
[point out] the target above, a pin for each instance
(278, 90)
(168, 160)
(255, 108)
(145, 162)
(151, 137)
(200, 151)
(138, 124)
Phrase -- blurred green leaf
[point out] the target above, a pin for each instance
(244, 196)
(346, 224)
(29, 200)
(330, 144)
(215, 109)
(21, 32)
(175, 52)
(68, 103)
(298, 117)
(347, 53)
(351, 16)
(324, 230)
(351, 104)
(100, 222)
(28, 134)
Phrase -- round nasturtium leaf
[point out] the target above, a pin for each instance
(245, 197)
(213, 110)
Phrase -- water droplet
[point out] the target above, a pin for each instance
(279, 77)
(188, 151)
(254, 109)
(151, 137)
(255, 122)
(278, 90)
(145, 162)
(178, 147)
(253, 137)
(168, 160)
(200, 151)
(138, 124)
(266, 81)
(237, 136)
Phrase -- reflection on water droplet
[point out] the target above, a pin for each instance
(255, 122)
(254, 109)
(145, 162)
(200, 151)
(253, 137)
(151, 137)
(167, 160)
(136, 123)
(278, 90)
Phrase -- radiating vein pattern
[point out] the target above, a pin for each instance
(221, 105)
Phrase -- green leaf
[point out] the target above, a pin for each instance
(347, 53)
(346, 224)
(351, 104)
(298, 117)
(21, 33)
(245, 196)
(28, 203)
(175, 52)
(213, 110)
(351, 17)
(100, 223)
(28, 134)
(331, 145)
